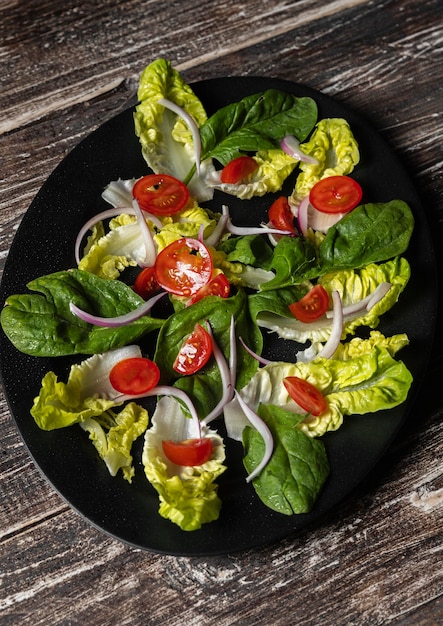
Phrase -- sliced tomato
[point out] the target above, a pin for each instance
(195, 351)
(134, 376)
(189, 452)
(305, 395)
(160, 194)
(217, 286)
(312, 306)
(335, 194)
(280, 215)
(183, 267)
(238, 169)
(146, 284)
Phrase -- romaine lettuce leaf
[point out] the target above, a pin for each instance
(292, 480)
(333, 145)
(188, 495)
(270, 309)
(370, 381)
(41, 324)
(166, 141)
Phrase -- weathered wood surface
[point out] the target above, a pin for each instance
(66, 68)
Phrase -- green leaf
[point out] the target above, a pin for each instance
(292, 480)
(43, 325)
(257, 122)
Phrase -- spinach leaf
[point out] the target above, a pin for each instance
(257, 122)
(43, 325)
(294, 259)
(369, 234)
(298, 468)
(204, 388)
(249, 250)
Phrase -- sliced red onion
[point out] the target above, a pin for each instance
(232, 352)
(264, 431)
(120, 320)
(150, 247)
(333, 341)
(302, 216)
(291, 146)
(365, 303)
(249, 230)
(256, 356)
(218, 231)
(166, 390)
(378, 294)
(191, 125)
(226, 381)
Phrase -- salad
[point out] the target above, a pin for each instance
(159, 269)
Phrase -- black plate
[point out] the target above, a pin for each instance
(44, 243)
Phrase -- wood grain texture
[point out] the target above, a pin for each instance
(65, 69)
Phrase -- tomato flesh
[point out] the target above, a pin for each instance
(238, 169)
(280, 215)
(183, 267)
(160, 194)
(195, 352)
(145, 284)
(305, 395)
(189, 452)
(217, 286)
(312, 306)
(335, 194)
(134, 376)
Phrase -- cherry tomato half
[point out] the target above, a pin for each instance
(280, 215)
(189, 453)
(183, 267)
(217, 286)
(312, 306)
(305, 395)
(335, 194)
(238, 169)
(134, 376)
(146, 284)
(160, 194)
(195, 352)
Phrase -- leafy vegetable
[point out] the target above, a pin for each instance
(166, 141)
(334, 147)
(298, 469)
(271, 308)
(43, 325)
(257, 122)
(188, 495)
(368, 380)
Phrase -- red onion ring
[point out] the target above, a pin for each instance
(120, 320)
(191, 125)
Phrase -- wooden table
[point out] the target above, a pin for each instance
(65, 69)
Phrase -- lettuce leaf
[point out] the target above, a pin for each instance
(292, 480)
(368, 380)
(166, 141)
(270, 308)
(41, 324)
(336, 150)
(188, 495)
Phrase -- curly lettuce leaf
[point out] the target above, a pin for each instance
(188, 495)
(270, 309)
(334, 146)
(86, 394)
(41, 324)
(372, 380)
(292, 480)
(113, 435)
(166, 141)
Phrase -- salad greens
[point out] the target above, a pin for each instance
(356, 257)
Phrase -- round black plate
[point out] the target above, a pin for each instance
(44, 243)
